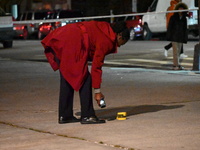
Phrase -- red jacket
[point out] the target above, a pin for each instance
(75, 44)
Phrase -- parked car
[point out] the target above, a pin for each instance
(134, 23)
(31, 29)
(45, 28)
(6, 29)
(156, 23)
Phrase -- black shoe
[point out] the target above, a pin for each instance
(68, 120)
(91, 120)
(178, 67)
(166, 48)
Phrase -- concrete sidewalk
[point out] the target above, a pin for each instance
(163, 111)
(157, 127)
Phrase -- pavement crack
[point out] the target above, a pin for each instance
(40, 131)
(65, 136)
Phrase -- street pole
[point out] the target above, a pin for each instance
(134, 5)
(196, 61)
(199, 19)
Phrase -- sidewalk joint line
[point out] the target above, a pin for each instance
(65, 136)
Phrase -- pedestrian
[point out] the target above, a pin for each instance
(68, 49)
(177, 33)
(172, 6)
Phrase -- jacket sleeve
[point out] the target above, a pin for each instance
(102, 49)
(170, 29)
(51, 57)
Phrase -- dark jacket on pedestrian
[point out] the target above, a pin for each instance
(177, 28)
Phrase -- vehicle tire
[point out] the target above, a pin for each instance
(147, 35)
(132, 34)
(7, 44)
(25, 33)
(194, 33)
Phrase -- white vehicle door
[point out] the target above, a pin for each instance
(156, 20)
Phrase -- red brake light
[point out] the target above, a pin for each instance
(19, 28)
(31, 25)
(57, 24)
(45, 27)
(140, 20)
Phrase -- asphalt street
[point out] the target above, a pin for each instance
(162, 105)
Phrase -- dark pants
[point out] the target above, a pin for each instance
(167, 47)
(67, 96)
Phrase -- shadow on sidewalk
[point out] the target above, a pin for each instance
(111, 113)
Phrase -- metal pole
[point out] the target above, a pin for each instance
(134, 5)
(199, 19)
(196, 60)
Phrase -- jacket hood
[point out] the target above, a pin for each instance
(181, 5)
(107, 30)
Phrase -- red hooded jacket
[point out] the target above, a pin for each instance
(74, 44)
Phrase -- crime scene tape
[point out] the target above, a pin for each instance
(98, 17)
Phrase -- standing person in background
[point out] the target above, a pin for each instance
(172, 6)
(177, 33)
(69, 48)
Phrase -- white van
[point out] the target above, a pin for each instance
(156, 23)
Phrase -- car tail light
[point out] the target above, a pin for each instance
(31, 25)
(18, 28)
(57, 24)
(41, 28)
(140, 20)
(190, 15)
(45, 27)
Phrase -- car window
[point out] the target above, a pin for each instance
(54, 15)
(70, 14)
(23, 16)
(50, 15)
(40, 15)
(2, 12)
(64, 14)
(19, 17)
(76, 14)
(131, 18)
(119, 19)
(153, 6)
(29, 16)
